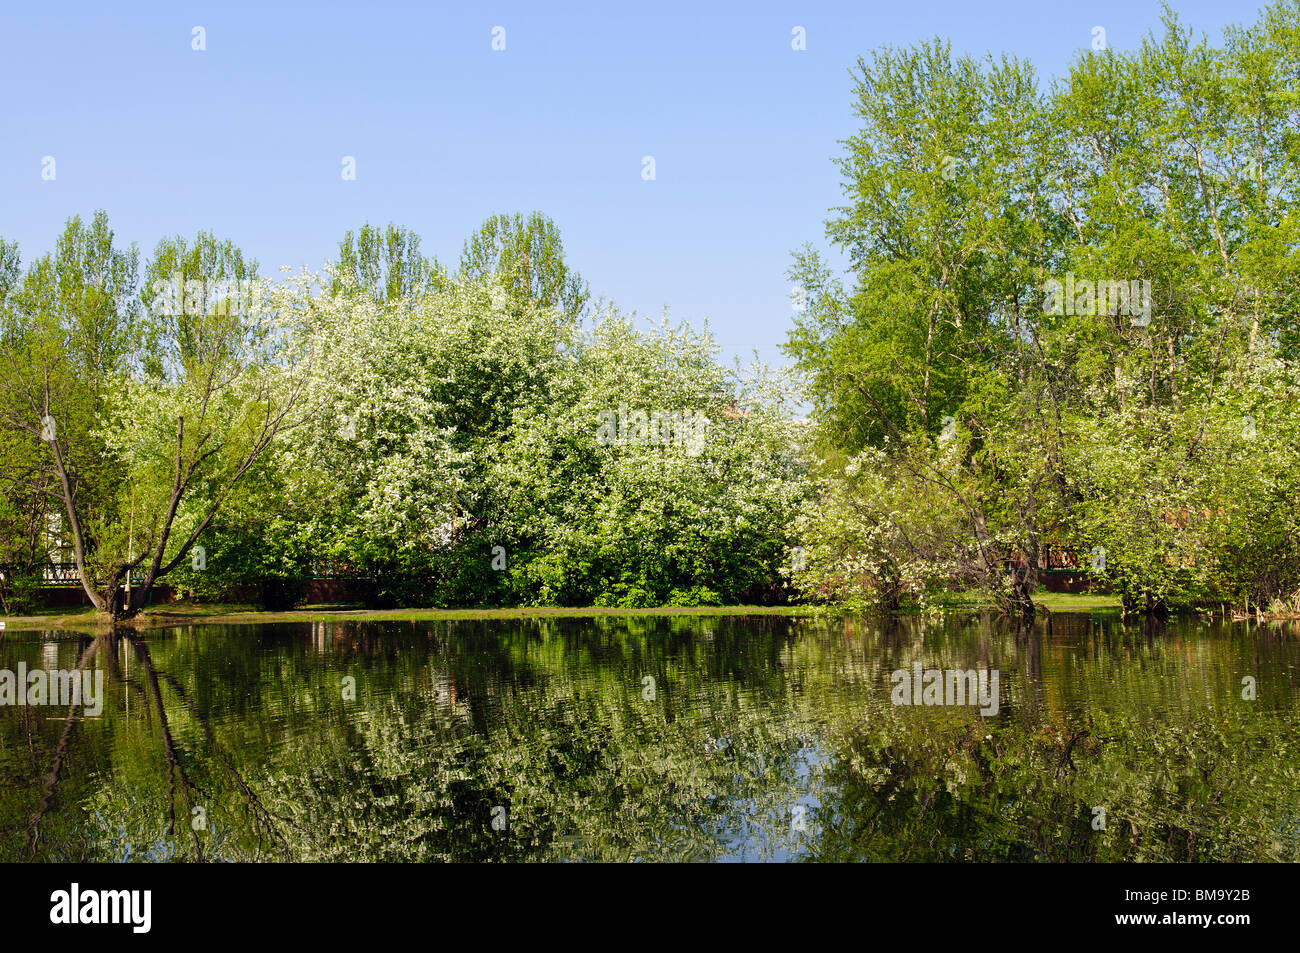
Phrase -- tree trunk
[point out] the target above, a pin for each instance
(1022, 591)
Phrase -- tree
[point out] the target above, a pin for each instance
(150, 418)
(464, 452)
(10, 268)
(1089, 321)
(70, 326)
(946, 232)
(24, 480)
(386, 264)
(527, 257)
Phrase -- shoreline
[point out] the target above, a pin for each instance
(173, 614)
(170, 615)
(208, 614)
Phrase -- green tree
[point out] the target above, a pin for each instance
(385, 263)
(149, 418)
(527, 256)
(1081, 297)
(71, 326)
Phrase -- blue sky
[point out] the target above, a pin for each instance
(247, 137)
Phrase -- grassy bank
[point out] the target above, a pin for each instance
(1052, 601)
(181, 613)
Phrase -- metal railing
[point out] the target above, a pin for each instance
(64, 574)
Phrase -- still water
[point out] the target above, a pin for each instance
(659, 738)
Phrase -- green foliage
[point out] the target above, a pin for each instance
(71, 326)
(455, 456)
(469, 443)
(989, 228)
(526, 257)
(386, 264)
(128, 416)
(439, 441)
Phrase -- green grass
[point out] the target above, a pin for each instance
(167, 615)
(181, 613)
(1053, 601)
(62, 617)
(1075, 601)
(87, 619)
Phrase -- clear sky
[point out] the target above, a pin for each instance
(247, 137)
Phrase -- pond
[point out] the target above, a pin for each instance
(658, 738)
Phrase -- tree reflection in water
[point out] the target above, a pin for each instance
(763, 739)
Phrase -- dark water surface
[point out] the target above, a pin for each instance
(649, 738)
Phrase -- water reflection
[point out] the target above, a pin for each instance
(655, 738)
